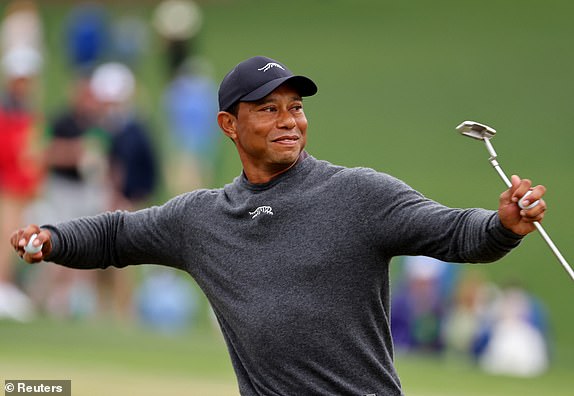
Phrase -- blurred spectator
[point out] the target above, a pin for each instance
(505, 331)
(86, 35)
(75, 166)
(190, 103)
(419, 304)
(132, 165)
(21, 27)
(177, 22)
(20, 169)
(189, 98)
(73, 188)
(516, 344)
(469, 310)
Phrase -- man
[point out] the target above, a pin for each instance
(73, 187)
(294, 253)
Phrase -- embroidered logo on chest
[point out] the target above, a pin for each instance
(267, 210)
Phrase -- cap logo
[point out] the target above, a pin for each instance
(271, 65)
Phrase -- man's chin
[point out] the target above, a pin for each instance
(288, 157)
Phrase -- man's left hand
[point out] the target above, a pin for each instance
(521, 221)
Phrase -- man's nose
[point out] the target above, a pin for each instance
(286, 120)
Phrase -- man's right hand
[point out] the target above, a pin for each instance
(21, 237)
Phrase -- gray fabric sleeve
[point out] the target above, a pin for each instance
(118, 239)
(415, 225)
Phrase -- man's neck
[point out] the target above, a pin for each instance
(258, 176)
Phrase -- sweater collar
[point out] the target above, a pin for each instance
(283, 176)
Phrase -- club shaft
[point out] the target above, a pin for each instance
(538, 226)
(554, 249)
(501, 173)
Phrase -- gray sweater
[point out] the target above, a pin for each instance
(297, 270)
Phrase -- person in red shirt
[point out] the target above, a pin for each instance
(20, 168)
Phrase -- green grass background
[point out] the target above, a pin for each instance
(395, 78)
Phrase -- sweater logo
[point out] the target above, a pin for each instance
(268, 210)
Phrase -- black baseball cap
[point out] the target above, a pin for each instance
(257, 77)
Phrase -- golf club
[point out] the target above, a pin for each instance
(483, 132)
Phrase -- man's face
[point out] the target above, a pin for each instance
(271, 133)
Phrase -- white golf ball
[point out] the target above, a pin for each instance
(532, 205)
(30, 249)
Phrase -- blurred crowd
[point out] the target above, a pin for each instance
(99, 151)
(444, 309)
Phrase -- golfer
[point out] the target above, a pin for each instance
(294, 254)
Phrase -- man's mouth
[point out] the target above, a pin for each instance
(289, 139)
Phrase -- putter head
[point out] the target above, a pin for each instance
(476, 130)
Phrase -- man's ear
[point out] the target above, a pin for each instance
(227, 122)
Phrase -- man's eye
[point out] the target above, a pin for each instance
(268, 109)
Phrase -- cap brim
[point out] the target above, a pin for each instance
(304, 85)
